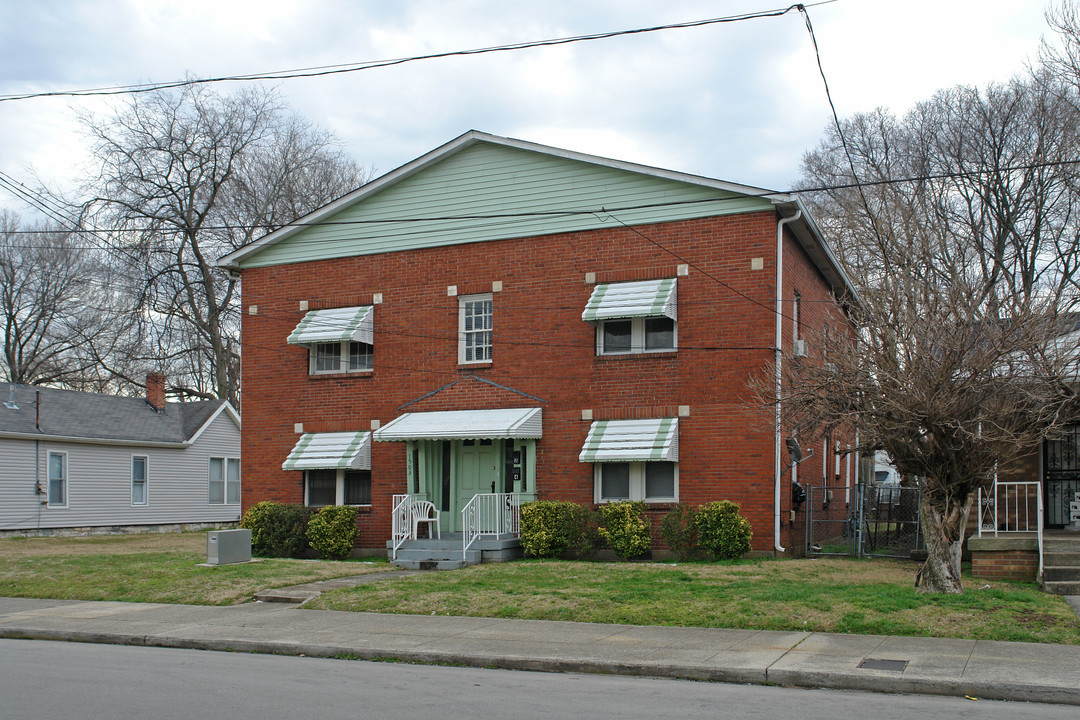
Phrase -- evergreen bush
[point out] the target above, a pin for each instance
(679, 532)
(550, 528)
(277, 530)
(333, 532)
(626, 528)
(722, 530)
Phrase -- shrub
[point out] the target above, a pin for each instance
(722, 531)
(626, 528)
(333, 532)
(678, 530)
(549, 528)
(277, 530)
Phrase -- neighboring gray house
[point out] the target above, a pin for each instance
(99, 462)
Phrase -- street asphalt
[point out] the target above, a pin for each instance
(275, 624)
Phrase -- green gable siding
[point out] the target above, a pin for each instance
(484, 179)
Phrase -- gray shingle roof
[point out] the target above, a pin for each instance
(66, 413)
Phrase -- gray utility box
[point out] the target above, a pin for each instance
(228, 546)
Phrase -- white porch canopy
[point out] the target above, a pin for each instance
(520, 423)
(335, 325)
(632, 441)
(324, 451)
(648, 298)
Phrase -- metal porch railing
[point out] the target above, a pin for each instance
(489, 514)
(1013, 507)
(401, 522)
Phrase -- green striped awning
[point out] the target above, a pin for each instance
(335, 325)
(324, 451)
(648, 298)
(632, 441)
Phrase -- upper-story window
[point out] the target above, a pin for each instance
(339, 340)
(634, 317)
(475, 324)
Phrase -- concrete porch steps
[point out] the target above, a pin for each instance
(445, 553)
(1061, 563)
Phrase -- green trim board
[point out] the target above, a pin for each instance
(486, 191)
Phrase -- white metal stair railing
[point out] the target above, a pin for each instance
(401, 522)
(489, 514)
(1007, 508)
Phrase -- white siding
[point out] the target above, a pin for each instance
(99, 483)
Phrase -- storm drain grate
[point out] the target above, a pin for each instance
(874, 664)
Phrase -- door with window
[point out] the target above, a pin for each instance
(1061, 476)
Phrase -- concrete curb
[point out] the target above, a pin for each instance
(768, 675)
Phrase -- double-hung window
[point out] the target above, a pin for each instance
(475, 324)
(337, 487)
(634, 459)
(339, 340)
(224, 481)
(646, 481)
(336, 467)
(634, 317)
(139, 479)
(58, 479)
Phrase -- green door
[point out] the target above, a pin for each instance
(478, 466)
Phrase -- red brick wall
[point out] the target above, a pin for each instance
(542, 348)
(1018, 565)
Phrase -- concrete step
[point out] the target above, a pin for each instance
(472, 556)
(419, 564)
(1062, 587)
(1055, 573)
(1061, 558)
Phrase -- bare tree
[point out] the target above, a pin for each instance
(186, 176)
(959, 228)
(50, 292)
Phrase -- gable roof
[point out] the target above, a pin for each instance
(481, 187)
(109, 419)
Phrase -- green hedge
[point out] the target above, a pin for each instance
(626, 528)
(722, 531)
(333, 532)
(550, 528)
(277, 530)
(680, 533)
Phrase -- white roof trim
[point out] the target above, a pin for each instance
(647, 298)
(335, 325)
(225, 407)
(323, 451)
(464, 424)
(632, 441)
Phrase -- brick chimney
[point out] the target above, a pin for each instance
(155, 390)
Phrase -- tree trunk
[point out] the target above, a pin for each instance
(943, 533)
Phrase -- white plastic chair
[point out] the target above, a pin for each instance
(423, 511)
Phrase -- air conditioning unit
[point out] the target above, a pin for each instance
(800, 348)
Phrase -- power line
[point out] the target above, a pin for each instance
(323, 70)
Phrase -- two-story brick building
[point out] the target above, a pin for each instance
(502, 316)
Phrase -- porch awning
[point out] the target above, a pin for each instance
(323, 451)
(649, 298)
(632, 441)
(521, 423)
(335, 325)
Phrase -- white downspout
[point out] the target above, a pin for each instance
(778, 466)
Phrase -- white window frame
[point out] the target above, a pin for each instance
(343, 358)
(464, 302)
(796, 316)
(637, 483)
(339, 489)
(637, 336)
(227, 486)
(64, 480)
(145, 480)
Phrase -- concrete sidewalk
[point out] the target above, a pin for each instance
(981, 669)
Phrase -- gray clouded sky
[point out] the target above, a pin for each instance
(739, 102)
